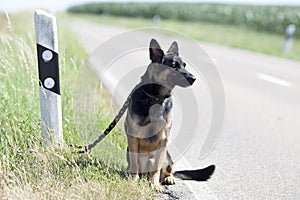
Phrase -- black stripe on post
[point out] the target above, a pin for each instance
(48, 69)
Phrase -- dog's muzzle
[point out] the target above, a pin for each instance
(191, 79)
(183, 78)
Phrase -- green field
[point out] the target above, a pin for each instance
(272, 19)
(28, 169)
(226, 35)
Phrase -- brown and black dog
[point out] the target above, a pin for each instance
(149, 119)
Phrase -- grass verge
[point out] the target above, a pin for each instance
(232, 36)
(28, 170)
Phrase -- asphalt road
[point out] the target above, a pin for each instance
(257, 154)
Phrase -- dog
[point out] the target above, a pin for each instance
(149, 119)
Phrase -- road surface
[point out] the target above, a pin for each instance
(257, 155)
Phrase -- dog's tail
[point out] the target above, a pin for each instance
(196, 175)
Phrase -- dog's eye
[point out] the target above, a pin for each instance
(184, 65)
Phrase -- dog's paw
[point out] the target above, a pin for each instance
(134, 177)
(169, 180)
(157, 187)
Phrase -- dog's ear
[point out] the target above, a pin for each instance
(156, 54)
(173, 48)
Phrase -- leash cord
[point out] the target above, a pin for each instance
(111, 126)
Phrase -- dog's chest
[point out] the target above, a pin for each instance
(149, 108)
(149, 119)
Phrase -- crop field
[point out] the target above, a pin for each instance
(271, 19)
(225, 35)
(256, 28)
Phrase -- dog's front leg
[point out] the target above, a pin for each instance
(168, 171)
(133, 166)
(155, 164)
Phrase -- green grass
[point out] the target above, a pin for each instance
(232, 36)
(28, 169)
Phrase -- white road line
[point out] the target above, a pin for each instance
(274, 80)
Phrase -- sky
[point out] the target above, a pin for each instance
(16, 5)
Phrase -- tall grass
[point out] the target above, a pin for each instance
(29, 170)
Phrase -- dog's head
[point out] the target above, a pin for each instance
(168, 69)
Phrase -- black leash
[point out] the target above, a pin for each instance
(87, 148)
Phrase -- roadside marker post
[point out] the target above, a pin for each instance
(289, 33)
(50, 99)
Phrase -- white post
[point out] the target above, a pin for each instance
(50, 99)
(289, 32)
